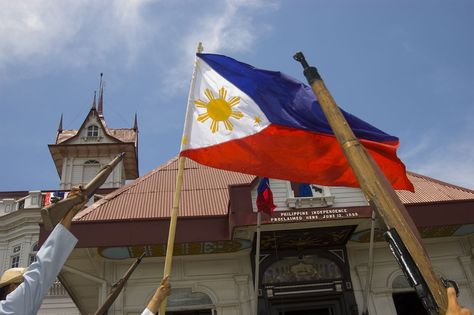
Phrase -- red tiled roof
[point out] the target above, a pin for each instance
(205, 193)
(123, 134)
(431, 190)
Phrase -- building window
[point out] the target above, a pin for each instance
(15, 261)
(91, 162)
(303, 195)
(92, 131)
(91, 168)
(34, 251)
(405, 298)
(197, 303)
(17, 249)
(306, 190)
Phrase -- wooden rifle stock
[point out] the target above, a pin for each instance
(374, 184)
(117, 288)
(54, 212)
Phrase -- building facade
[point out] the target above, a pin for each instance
(78, 154)
(314, 250)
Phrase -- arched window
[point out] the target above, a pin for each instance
(92, 131)
(400, 282)
(189, 302)
(91, 168)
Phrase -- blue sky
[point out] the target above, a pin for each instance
(404, 66)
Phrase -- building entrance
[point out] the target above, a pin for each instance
(332, 306)
(308, 278)
(319, 311)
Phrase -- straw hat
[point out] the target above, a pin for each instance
(12, 275)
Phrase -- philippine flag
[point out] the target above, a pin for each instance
(265, 197)
(265, 123)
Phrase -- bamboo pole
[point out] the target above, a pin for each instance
(172, 228)
(375, 185)
(176, 198)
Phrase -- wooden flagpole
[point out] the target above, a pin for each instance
(177, 195)
(257, 259)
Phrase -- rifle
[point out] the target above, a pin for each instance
(117, 287)
(54, 212)
(380, 193)
(412, 273)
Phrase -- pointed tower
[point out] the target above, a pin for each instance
(80, 153)
(100, 106)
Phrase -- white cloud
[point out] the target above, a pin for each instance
(228, 28)
(450, 161)
(453, 163)
(41, 36)
(71, 33)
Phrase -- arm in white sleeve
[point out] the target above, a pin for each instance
(40, 275)
(146, 311)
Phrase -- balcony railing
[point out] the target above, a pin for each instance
(57, 289)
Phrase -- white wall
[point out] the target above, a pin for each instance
(21, 227)
(224, 278)
(451, 258)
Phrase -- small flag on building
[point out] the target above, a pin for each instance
(265, 197)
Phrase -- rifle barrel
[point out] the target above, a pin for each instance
(117, 289)
(53, 213)
(102, 175)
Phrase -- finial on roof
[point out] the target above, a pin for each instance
(93, 102)
(100, 106)
(135, 123)
(60, 127)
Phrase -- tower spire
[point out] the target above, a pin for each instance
(60, 127)
(100, 105)
(135, 123)
(93, 102)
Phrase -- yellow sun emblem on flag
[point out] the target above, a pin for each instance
(219, 109)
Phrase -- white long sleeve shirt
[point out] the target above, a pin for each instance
(40, 275)
(146, 311)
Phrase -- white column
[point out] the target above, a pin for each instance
(243, 290)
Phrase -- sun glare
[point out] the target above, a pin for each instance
(219, 109)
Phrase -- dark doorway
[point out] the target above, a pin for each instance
(195, 312)
(319, 311)
(408, 303)
(328, 307)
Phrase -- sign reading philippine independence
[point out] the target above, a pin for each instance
(320, 214)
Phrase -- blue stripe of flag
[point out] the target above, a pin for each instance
(284, 100)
